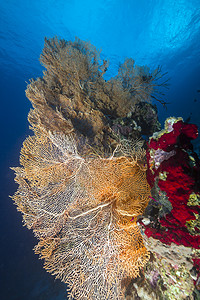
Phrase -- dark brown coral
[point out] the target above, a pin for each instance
(74, 96)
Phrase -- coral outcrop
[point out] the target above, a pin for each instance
(175, 170)
(112, 219)
(174, 175)
(82, 180)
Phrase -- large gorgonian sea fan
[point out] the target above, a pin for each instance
(83, 212)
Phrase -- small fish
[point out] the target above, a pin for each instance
(189, 118)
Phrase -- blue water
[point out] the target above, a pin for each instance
(153, 32)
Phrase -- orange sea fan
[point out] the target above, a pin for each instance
(81, 210)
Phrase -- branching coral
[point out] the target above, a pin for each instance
(81, 185)
(81, 211)
(73, 95)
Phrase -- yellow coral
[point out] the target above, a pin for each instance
(193, 226)
(81, 211)
(194, 200)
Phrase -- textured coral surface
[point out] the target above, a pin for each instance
(174, 174)
(83, 183)
(82, 180)
(81, 210)
(178, 171)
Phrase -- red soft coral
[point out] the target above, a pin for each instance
(177, 178)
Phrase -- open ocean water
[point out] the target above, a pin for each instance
(155, 32)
